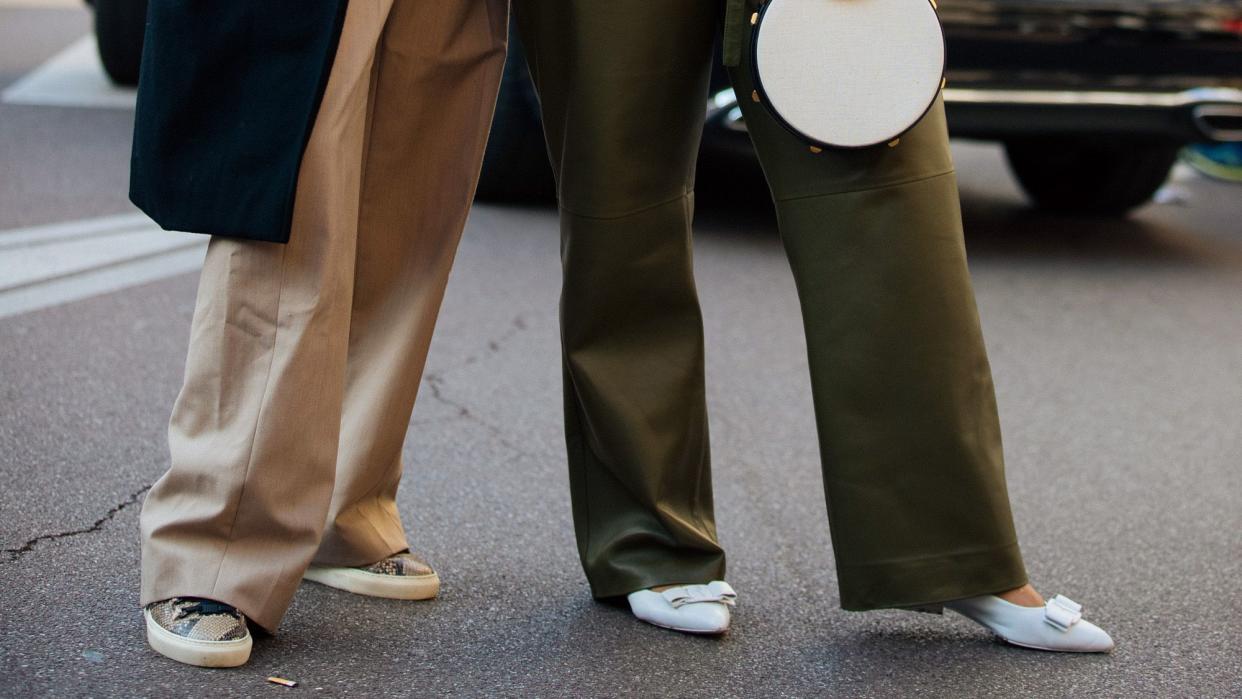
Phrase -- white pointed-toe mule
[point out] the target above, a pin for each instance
(700, 609)
(1056, 626)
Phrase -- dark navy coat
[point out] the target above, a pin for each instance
(227, 96)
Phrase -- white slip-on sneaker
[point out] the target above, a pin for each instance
(1056, 626)
(400, 576)
(701, 609)
(198, 632)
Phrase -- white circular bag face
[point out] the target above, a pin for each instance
(849, 73)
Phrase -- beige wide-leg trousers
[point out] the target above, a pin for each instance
(305, 358)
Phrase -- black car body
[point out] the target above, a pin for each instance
(1161, 69)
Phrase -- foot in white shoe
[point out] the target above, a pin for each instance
(1056, 626)
(198, 632)
(701, 609)
(400, 576)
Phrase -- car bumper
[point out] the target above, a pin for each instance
(1199, 115)
(1208, 115)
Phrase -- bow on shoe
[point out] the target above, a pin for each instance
(1062, 612)
(718, 591)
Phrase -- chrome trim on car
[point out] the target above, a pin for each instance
(1096, 98)
(1210, 114)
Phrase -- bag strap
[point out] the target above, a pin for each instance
(734, 32)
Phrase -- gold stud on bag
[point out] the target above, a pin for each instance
(847, 73)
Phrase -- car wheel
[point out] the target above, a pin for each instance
(515, 165)
(1101, 179)
(119, 26)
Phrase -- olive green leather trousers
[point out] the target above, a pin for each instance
(904, 402)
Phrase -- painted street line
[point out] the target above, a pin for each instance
(51, 4)
(44, 266)
(36, 235)
(72, 78)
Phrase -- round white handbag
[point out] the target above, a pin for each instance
(847, 73)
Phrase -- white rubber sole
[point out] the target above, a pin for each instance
(194, 652)
(360, 582)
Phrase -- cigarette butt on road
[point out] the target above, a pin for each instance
(282, 681)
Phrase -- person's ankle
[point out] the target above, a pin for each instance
(1024, 596)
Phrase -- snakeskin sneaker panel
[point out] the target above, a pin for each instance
(401, 564)
(199, 619)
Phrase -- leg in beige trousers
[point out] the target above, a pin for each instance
(305, 358)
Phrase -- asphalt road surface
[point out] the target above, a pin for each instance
(1117, 349)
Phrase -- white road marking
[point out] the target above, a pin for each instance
(44, 266)
(75, 4)
(72, 78)
(73, 229)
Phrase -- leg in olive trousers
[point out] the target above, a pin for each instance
(305, 358)
(903, 394)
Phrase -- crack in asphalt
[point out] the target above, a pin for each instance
(16, 553)
(495, 345)
(436, 382)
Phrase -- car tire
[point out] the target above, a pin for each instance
(119, 27)
(515, 165)
(1099, 179)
